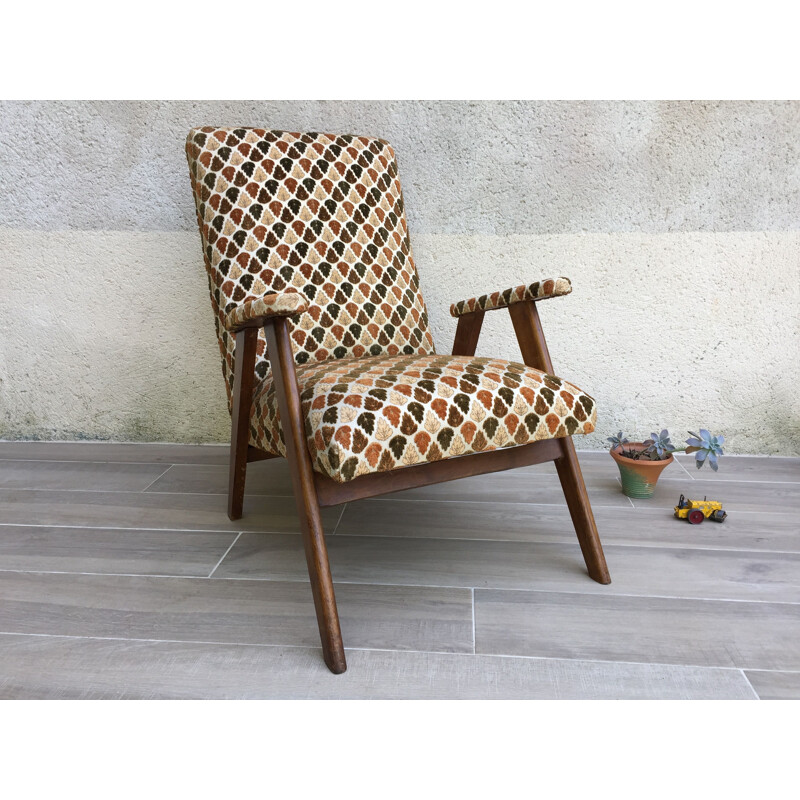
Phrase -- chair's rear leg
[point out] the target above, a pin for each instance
(533, 346)
(319, 572)
(580, 509)
(243, 378)
(467, 333)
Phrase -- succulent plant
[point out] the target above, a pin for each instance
(618, 440)
(660, 443)
(706, 447)
(659, 447)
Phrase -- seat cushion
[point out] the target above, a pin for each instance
(377, 414)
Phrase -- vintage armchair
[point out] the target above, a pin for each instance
(327, 354)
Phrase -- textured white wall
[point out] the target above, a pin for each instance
(677, 222)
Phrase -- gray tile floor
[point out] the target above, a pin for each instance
(122, 577)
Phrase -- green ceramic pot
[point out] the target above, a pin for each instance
(638, 478)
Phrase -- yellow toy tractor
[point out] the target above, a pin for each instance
(695, 511)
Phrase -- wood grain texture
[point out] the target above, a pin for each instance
(79, 476)
(474, 465)
(519, 486)
(115, 551)
(533, 347)
(476, 532)
(765, 469)
(775, 685)
(244, 612)
(149, 510)
(287, 392)
(264, 478)
(61, 668)
(468, 332)
(713, 633)
(735, 496)
(539, 566)
(121, 452)
(550, 523)
(272, 478)
(242, 402)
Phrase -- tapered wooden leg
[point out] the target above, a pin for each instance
(243, 378)
(305, 493)
(533, 346)
(467, 333)
(580, 509)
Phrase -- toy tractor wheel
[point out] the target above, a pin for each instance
(695, 516)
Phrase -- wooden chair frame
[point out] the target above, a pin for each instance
(314, 490)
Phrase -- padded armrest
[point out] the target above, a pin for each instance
(253, 313)
(541, 290)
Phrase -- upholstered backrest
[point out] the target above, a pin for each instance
(315, 213)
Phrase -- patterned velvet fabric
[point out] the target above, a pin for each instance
(377, 414)
(541, 290)
(317, 213)
(313, 225)
(287, 304)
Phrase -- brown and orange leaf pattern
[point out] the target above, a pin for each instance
(540, 290)
(322, 216)
(378, 414)
(286, 304)
(317, 213)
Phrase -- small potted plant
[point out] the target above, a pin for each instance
(641, 463)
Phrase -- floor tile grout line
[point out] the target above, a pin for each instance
(465, 587)
(158, 478)
(619, 482)
(381, 499)
(224, 446)
(494, 503)
(221, 464)
(678, 462)
(737, 511)
(747, 680)
(714, 479)
(132, 491)
(764, 669)
(288, 496)
(741, 480)
(474, 641)
(567, 541)
(236, 539)
(459, 654)
(338, 521)
(455, 587)
(133, 529)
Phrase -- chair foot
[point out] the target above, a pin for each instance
(335, 662)
(236, 480)
(236, 491)
(580, 509)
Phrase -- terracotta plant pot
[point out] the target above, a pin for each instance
(639, 478)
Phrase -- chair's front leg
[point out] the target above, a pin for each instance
(243, 377)
(533, 346)
(281, 359)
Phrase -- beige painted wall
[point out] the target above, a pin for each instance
(686, 289)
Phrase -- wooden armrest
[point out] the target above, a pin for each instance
(254, 313)
(541, 290)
